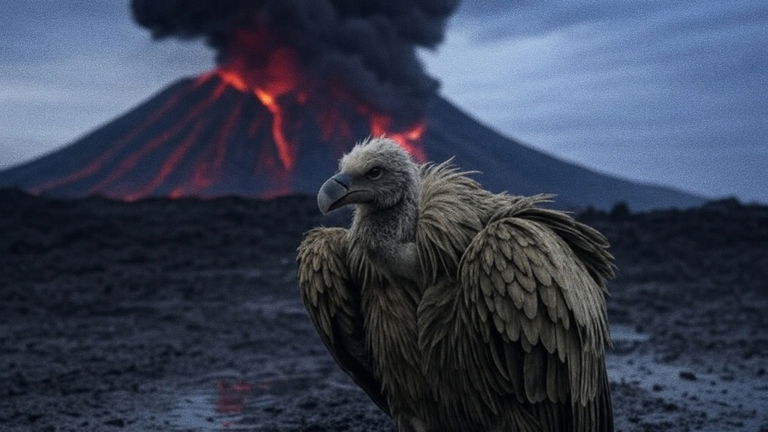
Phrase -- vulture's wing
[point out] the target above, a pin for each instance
(334, 306)
(531, 318)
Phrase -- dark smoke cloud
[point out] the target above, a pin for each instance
(369, 45)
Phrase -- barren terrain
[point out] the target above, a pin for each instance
(165, 315)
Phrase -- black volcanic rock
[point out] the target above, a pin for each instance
(167, 315)
(204, 138)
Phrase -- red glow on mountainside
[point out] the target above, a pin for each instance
(208, 168)
(330, 119)
(130, 162)
(98, 163)
(170, 163)
(408, 139)
(262, 113)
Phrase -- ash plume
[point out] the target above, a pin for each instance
(368, 46)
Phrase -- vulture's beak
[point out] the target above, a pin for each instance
(339, 191)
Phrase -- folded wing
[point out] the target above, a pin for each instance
(527, 327)
(333, 304)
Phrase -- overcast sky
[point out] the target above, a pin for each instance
(666, 92)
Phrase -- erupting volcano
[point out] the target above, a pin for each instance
(297, 100)
(221, 134)
(296, 86)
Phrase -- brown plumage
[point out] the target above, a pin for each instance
(456, 309)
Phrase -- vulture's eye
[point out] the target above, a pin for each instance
(374, 173)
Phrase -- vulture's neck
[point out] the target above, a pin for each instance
(389, 235)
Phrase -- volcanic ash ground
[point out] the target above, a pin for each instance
(165, 315)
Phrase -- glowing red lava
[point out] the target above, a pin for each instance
(279, 83)
(408, 139)
(330, 119)
(191, 141)
(284, 147)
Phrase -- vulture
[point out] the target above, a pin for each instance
(454, 308)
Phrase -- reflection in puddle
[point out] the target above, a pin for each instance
(624, 333)
(231, 396)
(220, 404)
(227, 401)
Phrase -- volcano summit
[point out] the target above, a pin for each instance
(296, 85)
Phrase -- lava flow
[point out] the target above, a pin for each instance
(283, 85)
(196, 140)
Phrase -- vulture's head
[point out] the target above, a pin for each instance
(377, 173)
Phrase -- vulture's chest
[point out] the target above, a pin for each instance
(392, 332)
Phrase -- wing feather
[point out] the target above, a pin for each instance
(532, 285)
(447, 195)
(333, 305)
(524, 317)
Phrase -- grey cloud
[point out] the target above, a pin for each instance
(641, 89)
(370, 45)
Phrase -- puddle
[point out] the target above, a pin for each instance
(721, 398)
(626, 339)
(621, 333)
(742, 397)
(219, 403)
(227, 401)
(271, 307)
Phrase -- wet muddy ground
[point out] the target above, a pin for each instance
(183, 315)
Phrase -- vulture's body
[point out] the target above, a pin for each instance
(456, 309)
